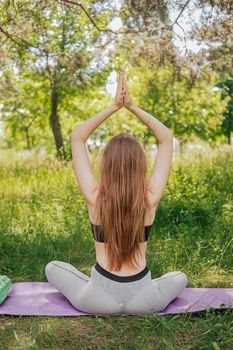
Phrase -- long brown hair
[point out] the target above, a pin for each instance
(122, 199)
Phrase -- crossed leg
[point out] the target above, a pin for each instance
(66, 278)
(73, 284)
(170, 285)
(79, 289)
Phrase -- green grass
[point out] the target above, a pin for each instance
(44, 217)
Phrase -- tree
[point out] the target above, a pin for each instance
(24, 110)
(52, 40)
(226, 87)
(216, 31)
(186, 110)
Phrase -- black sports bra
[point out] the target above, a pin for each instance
(99, 236)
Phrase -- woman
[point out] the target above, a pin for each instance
(122, 209)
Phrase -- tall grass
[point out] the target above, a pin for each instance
(43, 217)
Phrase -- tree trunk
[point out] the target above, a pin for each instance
(229, 137)
(27, 137)
(55, 125)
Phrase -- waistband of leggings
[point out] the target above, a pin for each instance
(117, 278)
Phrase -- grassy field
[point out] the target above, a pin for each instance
(44, 217)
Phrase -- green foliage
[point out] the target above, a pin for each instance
(53, 46)
(187, 110)
(24, 112)
(226, 87)
(56, 52)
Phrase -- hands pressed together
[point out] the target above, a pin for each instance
(122, 97)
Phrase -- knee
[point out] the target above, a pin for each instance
(49, 267)
(184, 279)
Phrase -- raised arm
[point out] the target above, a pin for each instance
(161, 169)
(84, 175)
(83, 131)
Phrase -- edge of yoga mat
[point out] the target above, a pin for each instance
(43, 299)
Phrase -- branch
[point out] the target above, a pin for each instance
(23, 43)
(10, 37)
(87, 14)
(185, 40)
(95, 24)
(176, 22)
(182, 10)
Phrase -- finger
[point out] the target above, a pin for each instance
(125, 84)
(121, 81)
(119, 85)
(124, 78)
(120, 89)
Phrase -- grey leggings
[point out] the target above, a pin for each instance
(104, 293)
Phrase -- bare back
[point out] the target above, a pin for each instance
(100, 249)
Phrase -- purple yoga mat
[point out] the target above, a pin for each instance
(42, 299)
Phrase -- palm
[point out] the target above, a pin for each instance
(127, 99)
(119, 100)
(122, 97)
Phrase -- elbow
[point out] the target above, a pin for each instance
(170, 136)
(170, 140)
(74, 136)
(78, 135)
(167, 139)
